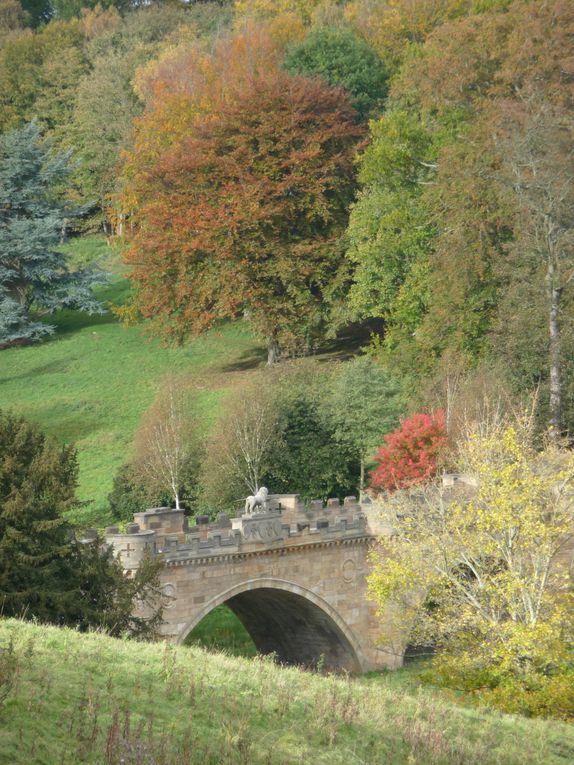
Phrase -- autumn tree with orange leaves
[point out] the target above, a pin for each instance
(244, 215)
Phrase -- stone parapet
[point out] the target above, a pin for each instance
(287, 521)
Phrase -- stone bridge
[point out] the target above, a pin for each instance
(295, 576)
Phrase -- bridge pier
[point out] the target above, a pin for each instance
(294, 575)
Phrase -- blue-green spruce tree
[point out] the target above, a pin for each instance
(34, 275)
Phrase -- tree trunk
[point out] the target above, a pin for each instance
(362, 476)
(554, 295)
(272, 351)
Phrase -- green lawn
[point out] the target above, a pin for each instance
(92, 699)
(90, 383)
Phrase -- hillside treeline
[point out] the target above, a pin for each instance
(308, 165)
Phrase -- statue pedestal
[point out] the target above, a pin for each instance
(260, 527)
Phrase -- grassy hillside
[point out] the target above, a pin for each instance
(91, 699)
(91, 382)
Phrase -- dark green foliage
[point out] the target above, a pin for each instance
(39, 11)
(340, 57)
(37, 485)
(310, 461)
(45, 574)
(106, 598)
(33, 216)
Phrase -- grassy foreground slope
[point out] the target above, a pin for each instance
(92, 699)
(91, 382)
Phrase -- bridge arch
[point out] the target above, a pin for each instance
(293, 622)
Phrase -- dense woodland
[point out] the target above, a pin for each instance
(401, 172)
(309, 165)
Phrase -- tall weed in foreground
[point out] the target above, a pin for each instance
(8, 669)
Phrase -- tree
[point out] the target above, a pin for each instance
(39, 74)
(412, 452)
(491, 562)
(107, 100)
(363, 405)
(45, 572)
(108, 599)
(245, 215)
(33, 274)
(391, 230)
(131, 493)
(539, 141)
(240, 447)
(340, 57)
(310, 460)
(167, 445)
(278, 432)
(37, 486)
(12, 18)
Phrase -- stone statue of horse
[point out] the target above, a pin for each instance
(257, 502)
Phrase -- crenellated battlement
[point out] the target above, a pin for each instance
(286, 522)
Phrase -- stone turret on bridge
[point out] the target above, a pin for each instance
(294, 574)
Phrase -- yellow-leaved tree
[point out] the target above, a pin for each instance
(482, 570)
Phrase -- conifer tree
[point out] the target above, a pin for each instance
(34, 275)
(45, 572)
(37, 485)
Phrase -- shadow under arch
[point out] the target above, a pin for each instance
(294, 623)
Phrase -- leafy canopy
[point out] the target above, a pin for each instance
(340, 57)
(245, 214)
(412, 452)
(363, 406)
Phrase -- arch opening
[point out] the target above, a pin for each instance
(221, 630)
(297, 629)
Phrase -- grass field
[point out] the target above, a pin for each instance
(90, 382)
(221, 630)
(92, 699)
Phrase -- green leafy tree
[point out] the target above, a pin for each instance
(364, 405)
(104, 110)
(106, 598)
(130, 495)
(310, 460)
(340, 57)
(33, 273)
(391, 230)
(39, 75)
(39, 11)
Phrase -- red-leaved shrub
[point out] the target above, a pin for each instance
(411, 454)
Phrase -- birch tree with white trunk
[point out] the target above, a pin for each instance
(168, 441)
